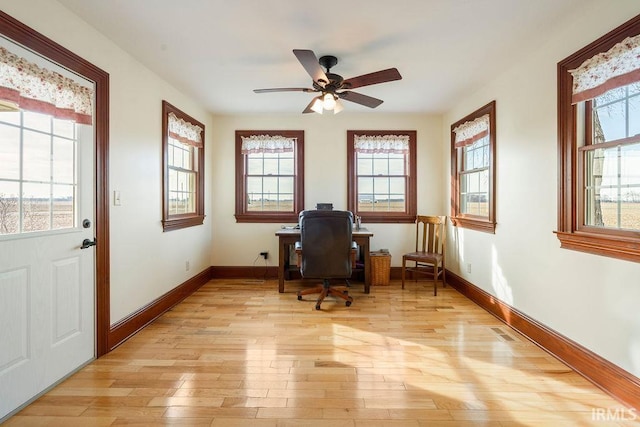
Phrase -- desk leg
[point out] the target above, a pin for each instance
(281, 263)
(367, 266)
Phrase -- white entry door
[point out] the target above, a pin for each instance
(47, 291)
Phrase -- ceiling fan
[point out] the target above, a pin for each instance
(332, 87)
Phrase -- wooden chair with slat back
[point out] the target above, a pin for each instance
(430, 250)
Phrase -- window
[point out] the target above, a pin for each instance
(39, 112)
(38, 179)
(183, 159)
(269, 175)
(599, 146)
(611, 160)
(473, 145)
(381, 168)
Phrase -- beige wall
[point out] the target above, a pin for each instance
(145, 262)
(238, 244)
(591, 299)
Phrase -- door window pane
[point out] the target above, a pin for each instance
(38, 182)
(36, 149)
(9, 151)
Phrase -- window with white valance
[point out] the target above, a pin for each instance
(185, 132)
(383, 144)
(599, 145)
(381, 166)
(27, 86)
(183, 171)
(267, 144)
(617, 67)
(269, 175)
(473, 170)
(471, 131)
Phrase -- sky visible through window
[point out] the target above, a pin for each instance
(619, 114)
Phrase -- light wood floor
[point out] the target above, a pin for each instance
(238, 353)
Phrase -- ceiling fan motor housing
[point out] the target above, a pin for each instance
(328, 61)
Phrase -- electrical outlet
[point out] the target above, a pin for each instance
(468, 267)
(187, 266)
(264, 255)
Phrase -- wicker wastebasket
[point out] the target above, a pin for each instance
(380, 268)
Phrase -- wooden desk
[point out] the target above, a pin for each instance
(289, 236)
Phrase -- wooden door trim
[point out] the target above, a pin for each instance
(33, 40)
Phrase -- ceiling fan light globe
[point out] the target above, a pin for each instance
(339, 107)
(329, 101)
(317, 106)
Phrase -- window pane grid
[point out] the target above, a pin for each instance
(270, 182)
(382, 182)
(616, 114)
(182, 193)
(182, 178)
(38, 181)
(476, 155)
(474, 192)
(180, 155)
(612, 187)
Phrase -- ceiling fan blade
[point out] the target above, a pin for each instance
(361, 99)
(309, 61)
(382, 76)
(285, 89)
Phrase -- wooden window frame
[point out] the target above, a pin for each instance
(175, 222)
(480, 223)
(409, 216)
(572, 232)
(242, 214)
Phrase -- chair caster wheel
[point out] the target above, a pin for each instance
(317, 306)
(348, 303)
(299, 297)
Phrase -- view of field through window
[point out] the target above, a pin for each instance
(474, 178)
(38, 178)
(612, 172)
(182, 178)
(382, 182)
(270, 181)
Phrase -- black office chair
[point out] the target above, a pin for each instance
(326, 251)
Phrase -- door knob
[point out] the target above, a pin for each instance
(86, 243)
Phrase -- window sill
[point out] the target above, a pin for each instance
(370, 218)
(474, 224)
(611, 246)
(268, 218)
(178, 223)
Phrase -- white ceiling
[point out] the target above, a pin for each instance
(218, 51)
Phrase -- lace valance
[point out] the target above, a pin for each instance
(471, 131)
(267, 144)
(619, 66)
(385, 144)
(185, 132)
(40, 90)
